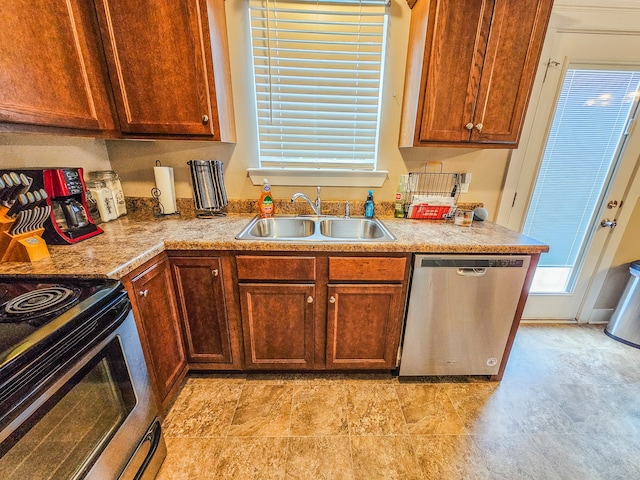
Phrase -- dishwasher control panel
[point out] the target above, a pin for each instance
(507, 262)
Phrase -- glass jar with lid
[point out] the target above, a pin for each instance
(112, 182)
(104, 199)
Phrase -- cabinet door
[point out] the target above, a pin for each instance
(513, 52)
(159, 70)
(457, 39)
(160, 332)
(51, 68)
(278, 325)
(363, 326)
(203, 309)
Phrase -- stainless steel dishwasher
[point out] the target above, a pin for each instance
(460, 312)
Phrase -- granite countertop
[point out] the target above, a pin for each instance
(132, 240)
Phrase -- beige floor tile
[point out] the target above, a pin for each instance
(510, 457)
(264, 410)
(251, 458)
(374, 410)
(445, 457)
(190, 458)
(203, 410)
(385, 458)
(319, 410)
(428, 410)
(319, 458)
(484, 408)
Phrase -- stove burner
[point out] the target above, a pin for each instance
(39, 303)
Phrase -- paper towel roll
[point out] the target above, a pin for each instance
(164, 182)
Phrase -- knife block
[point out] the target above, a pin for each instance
(24, 247)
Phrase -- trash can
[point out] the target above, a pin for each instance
(624, 325)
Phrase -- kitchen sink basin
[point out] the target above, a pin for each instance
(316, 229)
(280, 227)
(353, 228)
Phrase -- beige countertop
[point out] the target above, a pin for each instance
(131, 240)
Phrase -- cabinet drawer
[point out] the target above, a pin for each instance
(276, 268)
(380, 269)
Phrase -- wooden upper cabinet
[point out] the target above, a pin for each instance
(470, 71)
(51, 68)
(167, 75)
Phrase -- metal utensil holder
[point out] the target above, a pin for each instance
(208, 188)
(446, 185)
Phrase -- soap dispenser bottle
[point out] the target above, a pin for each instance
(265, 204)
(369, 206)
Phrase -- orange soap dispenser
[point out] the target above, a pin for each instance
(265, 204)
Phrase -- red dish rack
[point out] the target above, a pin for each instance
(423, 184)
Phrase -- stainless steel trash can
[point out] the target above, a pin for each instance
(624, 325)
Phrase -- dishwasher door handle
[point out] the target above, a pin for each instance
(471, 272)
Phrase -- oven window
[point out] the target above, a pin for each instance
(65, 436)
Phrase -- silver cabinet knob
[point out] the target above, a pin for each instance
(143, 293)
(215, 272)
(332, 299)
(469, 126)
(205, 119)
(309, 299)
(479, 127)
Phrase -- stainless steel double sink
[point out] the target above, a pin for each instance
(318, 228)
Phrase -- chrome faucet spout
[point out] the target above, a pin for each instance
(315, 206)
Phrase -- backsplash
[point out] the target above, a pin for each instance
(186, 207)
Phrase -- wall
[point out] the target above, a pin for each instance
(29, 151)
(134, 160)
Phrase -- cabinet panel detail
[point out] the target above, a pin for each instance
(278, 325)
(203, 307)
(380, 269)
(363, 325)
(272, 268)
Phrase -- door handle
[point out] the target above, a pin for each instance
(609, 223)
(471, 272)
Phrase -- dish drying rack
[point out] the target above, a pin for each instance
(431, 196)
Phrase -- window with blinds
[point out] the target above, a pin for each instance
(318, 75)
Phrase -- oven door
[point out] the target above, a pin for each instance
(98, 420)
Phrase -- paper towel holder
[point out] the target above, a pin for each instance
(158, 208)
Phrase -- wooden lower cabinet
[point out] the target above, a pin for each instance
(278, 325)
(363, 326)
(210, 340)
(321, 312)
(154, 304)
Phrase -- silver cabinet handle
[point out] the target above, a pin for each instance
(205, 119)
(309, 299)
(479, 127)
(143, 293)
(215, 272)
(332, 299)
(469, 126)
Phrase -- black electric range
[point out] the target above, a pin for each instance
(37, 309)
(46, 322)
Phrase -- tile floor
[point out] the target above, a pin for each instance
(567, 408)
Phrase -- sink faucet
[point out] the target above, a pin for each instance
(316, 207)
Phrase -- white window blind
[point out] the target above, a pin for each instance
(581, 151)
(318, 73)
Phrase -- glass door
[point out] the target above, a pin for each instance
(575, 166)
(582, 151)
